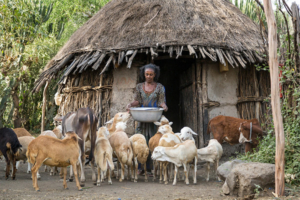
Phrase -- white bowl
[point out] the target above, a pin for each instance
(146, 114)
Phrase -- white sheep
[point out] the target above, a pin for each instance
(211, 154)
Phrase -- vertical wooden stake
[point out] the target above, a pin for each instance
(205, 101)
(44, 106)
(275, 99)
(200, 103)
(100, 101)
(256, 86)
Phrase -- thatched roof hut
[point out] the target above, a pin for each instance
(198, 33)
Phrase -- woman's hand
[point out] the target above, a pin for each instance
(128, 107)
(164, 106)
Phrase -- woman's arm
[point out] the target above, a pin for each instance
(132, 104)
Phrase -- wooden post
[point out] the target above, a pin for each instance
(256, 87)
(200, 102)
(195, 122)
(275, 99)
(205, 101)
(296, 21)
(44, 106)
(100, 102)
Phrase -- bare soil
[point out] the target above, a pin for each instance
(51, 187)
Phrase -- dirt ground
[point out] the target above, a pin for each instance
(51, 188)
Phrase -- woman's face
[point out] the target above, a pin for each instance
(149, 75)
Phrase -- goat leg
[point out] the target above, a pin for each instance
(65, 177)
(175, 175)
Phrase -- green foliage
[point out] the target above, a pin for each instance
(31, 33)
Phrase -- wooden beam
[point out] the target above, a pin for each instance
(256, 87)
(275, 99)
(100, 102)
(44, 106)
(205, 100)
(195, 122)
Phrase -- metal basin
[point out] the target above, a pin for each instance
(146, 114)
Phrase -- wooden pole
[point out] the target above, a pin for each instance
(275, 99)
(200, 102)
(100, 102)
(44, 106)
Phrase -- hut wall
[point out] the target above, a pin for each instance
(222, 91)
(83, 90)
(125, 81)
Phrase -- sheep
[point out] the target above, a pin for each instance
(53, 171)
(186, 133)
(111, 125)
(58, 132)
(54, 152)
(122, 147)
(154, 141)
(140, 153)
(211, 154)
(103, 155)
(169, 139)
(20, 132)
(180, 154)
(24, 141)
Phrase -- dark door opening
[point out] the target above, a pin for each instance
(176, 76)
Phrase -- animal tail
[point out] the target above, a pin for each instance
(31, 156)
(93, 133)
(108, 161)
(129, 156)
(208, 128)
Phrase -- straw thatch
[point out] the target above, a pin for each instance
(214, 29)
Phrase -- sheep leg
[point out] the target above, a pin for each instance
(166, 172)
(102, 176)
(45, 168)
(207, 170)
(160, 171)
(51, 171)
(122, 172)
(145, 169)
(171, 170)
(28, 167)
(195, 170)
(154, 170)
(128, 172)
(34, 170)
(93, 172)
(216, 169)
(71, 174)
(136, 169)
(7, 167)
(117, 177)
(98, 180)
(38, 175)
(55, 170)
(186, 174)
(75, 174)
(109, 176)
(14, 169)
(175, 175)
(18, 164)
(61, 172)
(65, 177)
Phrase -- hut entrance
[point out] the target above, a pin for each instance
(178, 77)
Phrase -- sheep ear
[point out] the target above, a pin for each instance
(170, 123)
(157, 123)
(194, 133)
(110, 121)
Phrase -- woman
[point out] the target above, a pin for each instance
(149, 93)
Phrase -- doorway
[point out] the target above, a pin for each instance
(177, 77)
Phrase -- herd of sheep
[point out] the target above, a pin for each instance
(58, 148)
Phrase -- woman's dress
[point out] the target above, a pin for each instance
(149, 99)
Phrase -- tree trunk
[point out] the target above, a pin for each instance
(15, 97)
(275, 99)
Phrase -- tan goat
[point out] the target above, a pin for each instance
(54, 152)
(140, 153)
(103, 155)
(121, 145)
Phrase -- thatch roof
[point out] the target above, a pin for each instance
(206, 28)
